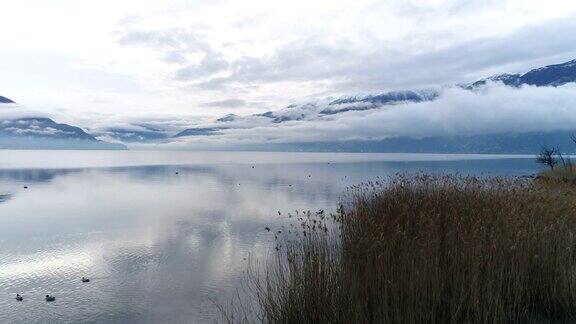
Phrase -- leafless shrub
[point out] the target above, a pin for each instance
(547, 157)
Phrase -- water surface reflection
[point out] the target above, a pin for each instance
(160, 242)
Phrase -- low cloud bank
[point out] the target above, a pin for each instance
(14, 111)
(494, 108)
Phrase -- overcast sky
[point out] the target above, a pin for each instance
(110, 60)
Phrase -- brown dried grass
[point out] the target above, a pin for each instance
(443, 249)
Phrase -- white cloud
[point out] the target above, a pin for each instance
(14, 111)
(227, 103)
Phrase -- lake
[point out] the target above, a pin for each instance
(163, 236)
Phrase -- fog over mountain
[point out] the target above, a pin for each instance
(506, 113)
(21, 128)
(493, 115)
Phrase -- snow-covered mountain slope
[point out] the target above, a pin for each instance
(551, 75)
(315, 110)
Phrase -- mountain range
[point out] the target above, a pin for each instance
(45, 133)
(35, 132)
(508, 142)
(552, 75)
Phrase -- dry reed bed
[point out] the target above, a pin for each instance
(416, 249)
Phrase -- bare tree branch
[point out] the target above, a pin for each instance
(546, 157)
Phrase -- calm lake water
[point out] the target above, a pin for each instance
(163, 235)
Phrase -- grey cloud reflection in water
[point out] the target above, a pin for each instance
(159, 242)
(156, 244)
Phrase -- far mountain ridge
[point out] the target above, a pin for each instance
(548, 76)
(44, 133)
(5, 100)
(551, 75)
